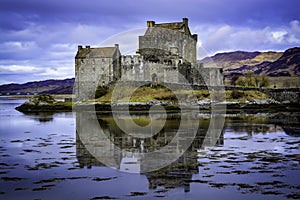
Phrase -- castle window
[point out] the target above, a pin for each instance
(82, 61)
(154, 78)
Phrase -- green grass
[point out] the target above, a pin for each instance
(144, 94)
(285, 82)
(248, 95)
(280, 82)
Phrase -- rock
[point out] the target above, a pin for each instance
(154, 102)
(204, 102)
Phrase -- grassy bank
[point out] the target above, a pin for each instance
(144, 94)
(143, 97)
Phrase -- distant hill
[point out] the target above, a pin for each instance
(275, 64)
(39, 87)
(271, 63)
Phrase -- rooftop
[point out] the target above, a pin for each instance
(178, 26)
(101, 52)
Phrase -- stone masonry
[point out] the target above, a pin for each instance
(167, 53)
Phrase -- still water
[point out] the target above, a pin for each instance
(45, 156)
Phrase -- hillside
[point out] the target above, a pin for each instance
(39, 87)
(271, 63)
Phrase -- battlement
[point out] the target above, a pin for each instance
(131, 59)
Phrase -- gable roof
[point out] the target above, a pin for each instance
(102, 52)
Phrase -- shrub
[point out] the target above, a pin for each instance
(235, 94)
(234, 79)
(43, 98)
(101, 91)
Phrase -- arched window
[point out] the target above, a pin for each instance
(154, 78)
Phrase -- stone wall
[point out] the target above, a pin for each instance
(173, 42)
(92, 71)
(284, 95)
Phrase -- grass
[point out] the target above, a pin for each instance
(285, 82)
(248, 95)
(280, 82)
(144, 94)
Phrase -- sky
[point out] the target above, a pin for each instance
(39, 38)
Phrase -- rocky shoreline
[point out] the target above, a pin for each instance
(230, 107)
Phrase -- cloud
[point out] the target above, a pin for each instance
(127, 40)
(218, 38)
(9, 69)
(45, 34)
(57, 72)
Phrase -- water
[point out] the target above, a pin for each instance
(42, 156)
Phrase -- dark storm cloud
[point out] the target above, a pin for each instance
(116, 12)
(40, 37)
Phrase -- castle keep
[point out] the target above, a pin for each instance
(167, 53)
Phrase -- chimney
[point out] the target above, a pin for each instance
(195, 37)
(117, 46)
(79, 47)
(150, 23)
(185, 21)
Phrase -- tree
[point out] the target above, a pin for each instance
(257, 80)
(250, 79)
(241, 81)
(264, 82)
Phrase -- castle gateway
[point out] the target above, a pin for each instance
(167, 53)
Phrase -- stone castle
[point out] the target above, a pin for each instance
(167, 53)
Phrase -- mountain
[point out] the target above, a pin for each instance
(271, 63)
(39, 87)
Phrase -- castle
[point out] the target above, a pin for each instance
(167, 53)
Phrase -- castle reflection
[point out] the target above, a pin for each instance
(105, 144)
(100, 142)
